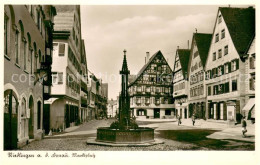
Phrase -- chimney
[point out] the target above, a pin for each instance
(147, 56)
(188, 44)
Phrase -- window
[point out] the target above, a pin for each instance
(252, 83)
(166, 90)
(220, 88)
(157, 101)
(147, 100)
(148, 89)
(209, 90)
(220, 70)
(217, 37)
(219, 19)
(140, 112)
(139, 89)
(234, 65)
(6, 21)
(61, 49)
(226, 68)
(17, 50)
(214, 56)
(215, 89)
(25, 55)
(60, 78)
(226, 86)
(208, 75)
(252, 62)
(40, 58)
(219, 53)
(38, 19)
(226, 50)
(158, 89)
(138, 100)
(31, 58)
(234, 85)
(223, 34)
(167, 112)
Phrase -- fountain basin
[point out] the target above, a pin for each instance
(130, 136)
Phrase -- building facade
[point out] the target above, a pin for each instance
(249, 108)
(180, 83)
(64, 104)
(151, 90)
(112, 106)
(225, 67)
(84, 101)
(197, 91)
(27, 47)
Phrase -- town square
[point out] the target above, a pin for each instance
(129, 78)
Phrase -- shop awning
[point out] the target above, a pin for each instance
(249, 104)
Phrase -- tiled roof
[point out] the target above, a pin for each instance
(241, 26)
(184, 55)
(203, 43)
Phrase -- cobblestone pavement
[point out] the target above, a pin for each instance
(183, 137)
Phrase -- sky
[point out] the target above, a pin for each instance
(108, 30)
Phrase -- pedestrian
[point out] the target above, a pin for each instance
(244, 130)
(193, 119)
(179, 119)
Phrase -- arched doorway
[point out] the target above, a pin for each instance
(31, 120)
(10, 120)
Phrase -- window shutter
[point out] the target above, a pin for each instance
(237, 64)
(222, 67)
(229, 67)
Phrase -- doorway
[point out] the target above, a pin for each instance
(156, 112)
(31, 120)
(10, 120)
(185, 113)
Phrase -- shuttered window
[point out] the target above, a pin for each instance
(209, 90)
(234, 85)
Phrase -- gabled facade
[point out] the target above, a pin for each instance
(196, 70)
(64, 105)
(225, 66)
(249, 108)
(180, 83)
(151, 90)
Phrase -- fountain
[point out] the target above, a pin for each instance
(124, 131)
